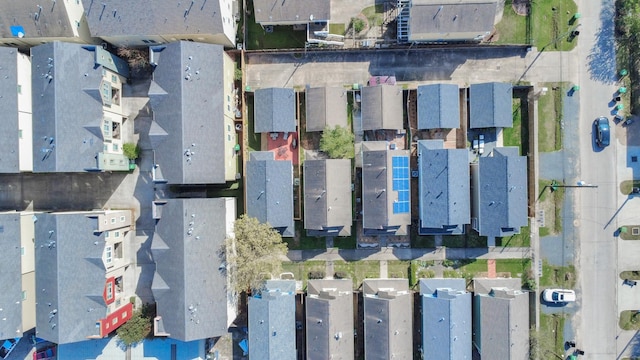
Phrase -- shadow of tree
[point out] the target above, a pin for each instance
(602, 58)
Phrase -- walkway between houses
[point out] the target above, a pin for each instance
(388, 253)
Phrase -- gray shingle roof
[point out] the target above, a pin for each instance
(190, 112)
(501, 324)
(444, 188)
(11, 279)
(490, 105)
(272, 332)
(451, 21)
(70, 277)
(327, 197)
(326, 106)
(10, 161)
(379, 196)
(163, 18)
(330, 319)
(189, 285)
(388, 319)
(446, 318)
(438, 106)
(502, 193)
(68, 114)
(53, 20)
(274, 110)
(269, 192)
(274, 12)
(382, 107)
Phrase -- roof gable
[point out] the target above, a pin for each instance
(274, 110)
(438, 106)
(490, 105)
(327, 189)
(382, 107)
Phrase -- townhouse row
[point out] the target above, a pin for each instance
(493, 322)
(126, 23)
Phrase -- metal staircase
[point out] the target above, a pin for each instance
(403, 20)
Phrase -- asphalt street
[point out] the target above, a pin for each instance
(597, 251)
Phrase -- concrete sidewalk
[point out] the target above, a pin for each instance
(388, 253)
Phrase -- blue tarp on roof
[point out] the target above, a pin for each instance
(17, 30)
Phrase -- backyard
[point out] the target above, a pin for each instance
(547, 26)
(271, 37)
(518, 135)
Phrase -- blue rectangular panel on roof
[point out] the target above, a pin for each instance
(17, 30)
(400, 178)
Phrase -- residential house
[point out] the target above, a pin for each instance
(444, 188)
(386, 191)
(326, 107)
(15, 105)
(438, 106)
(330, 322)
(84, 280)
(274, 110)
(499, 200)
(327, 197)
(501, 319)
(193, 297)
(446, 319)
(272, 321)
(271, 12)
(490, 105)
(388, 319)
(29, 23)
(137, 23)
(79, 121)
(193, 100)
(18, 282)
(269, 191)
(382, 107)
(446, 20)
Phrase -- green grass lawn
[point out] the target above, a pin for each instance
(629, 320)
(282, 37)
(518, 135)
(470, 239)
(374, 14)
(516, 267)
(558, 276)
(523, 239)
(551, 201)
(301, 270)
(550, 117)
(550, 29)
(358, 270)
(512, 29)
(398, 269)
(552, 325)
(254, 140)
(337, 29)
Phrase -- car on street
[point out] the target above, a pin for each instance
(558, 295)
(602, 132)
(7, 346)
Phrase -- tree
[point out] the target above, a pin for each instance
(131, 150)
(337, 143)
(358, 24)
(138, 327)
(256, 249)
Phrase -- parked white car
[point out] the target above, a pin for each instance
(559, 295)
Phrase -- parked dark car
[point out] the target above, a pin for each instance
(7, 346)
(602, 131)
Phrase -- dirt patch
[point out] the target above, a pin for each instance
(521, 7)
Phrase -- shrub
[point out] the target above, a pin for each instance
(313, 275)
(341, 275)
(358, 24)
(131, 150)
(138, 327)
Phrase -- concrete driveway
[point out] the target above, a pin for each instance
(463, 66)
